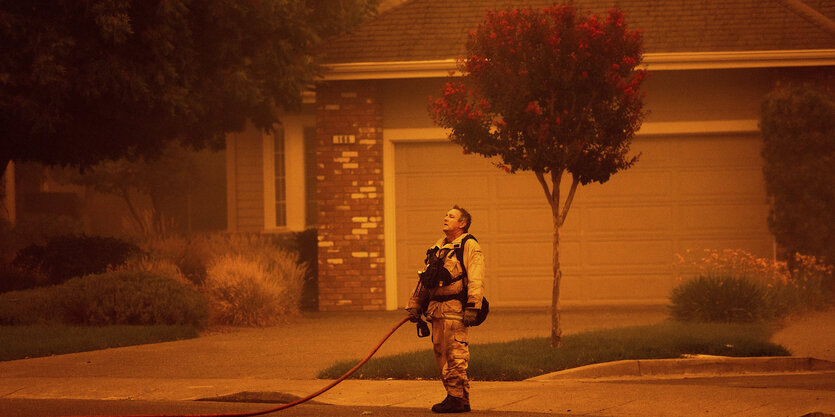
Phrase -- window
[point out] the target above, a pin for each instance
(280, 181)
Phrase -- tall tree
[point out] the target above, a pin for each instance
(171, 176)
(552, 91)
(798, 125)
(86, 80)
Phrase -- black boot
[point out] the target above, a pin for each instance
(452, 404)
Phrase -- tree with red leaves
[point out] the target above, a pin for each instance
(554, 91)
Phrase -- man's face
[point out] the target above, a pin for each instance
(452, 221)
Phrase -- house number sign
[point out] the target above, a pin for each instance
(344, 139)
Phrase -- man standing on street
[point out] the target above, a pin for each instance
(450, 294)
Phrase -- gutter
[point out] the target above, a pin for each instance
(659, 61)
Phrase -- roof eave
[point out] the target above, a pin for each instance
(660, 61)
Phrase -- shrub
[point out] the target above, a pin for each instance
(65, 257)
(155, 266)
(15, 278)
(34, 306)
(723, 298)
(807, 285)
(814, 280)
(254, 291)
(306, 243)
(117, 297)
(249, 279)
(132, 297)
(194, 255)
(32, 229)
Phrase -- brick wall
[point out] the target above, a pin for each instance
(350, 197)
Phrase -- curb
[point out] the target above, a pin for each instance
(691, 366)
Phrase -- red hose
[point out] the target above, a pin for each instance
(294, 403)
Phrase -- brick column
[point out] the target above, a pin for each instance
(350, 197)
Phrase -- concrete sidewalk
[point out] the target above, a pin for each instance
(284, 360)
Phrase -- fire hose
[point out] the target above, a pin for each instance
(423, 330)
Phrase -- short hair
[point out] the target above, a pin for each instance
(465, 215)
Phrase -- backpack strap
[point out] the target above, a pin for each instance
(459, 252)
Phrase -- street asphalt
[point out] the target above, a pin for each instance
(253, 365)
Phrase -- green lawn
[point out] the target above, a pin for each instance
(20, 342)
(526, 358)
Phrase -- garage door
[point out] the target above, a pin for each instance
(619, 242)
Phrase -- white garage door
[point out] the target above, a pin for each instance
(619, 242)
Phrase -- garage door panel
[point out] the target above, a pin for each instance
(726, 182)
(693, 249)
(442, 187)
(405, 288)
(533, 290)
(412, 259)
(733, 218)
(614, 220)
(517, 291)
(525, 219)
(618, 287)
(638, 184)
(514, 255)
(625, 253)
(523, 186)
(438, 157)
(422, 158)
(654, 151)
(416, 223)
(717, 151)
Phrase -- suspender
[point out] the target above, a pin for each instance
(459, 252)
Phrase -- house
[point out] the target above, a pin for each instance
(364, 163)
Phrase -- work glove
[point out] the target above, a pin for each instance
(414, 314)
(470, 316)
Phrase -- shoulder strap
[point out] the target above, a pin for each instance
(459, 252)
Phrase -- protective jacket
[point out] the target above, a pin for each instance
(442, 302)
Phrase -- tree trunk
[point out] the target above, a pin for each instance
(556, 327)
(3, 163)
(552, 192)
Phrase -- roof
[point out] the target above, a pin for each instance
(427, 30)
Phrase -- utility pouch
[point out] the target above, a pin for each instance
(435, 274)
(482, 313)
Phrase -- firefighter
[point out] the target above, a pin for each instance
(451, 298)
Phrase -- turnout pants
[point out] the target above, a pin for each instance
(452, 354)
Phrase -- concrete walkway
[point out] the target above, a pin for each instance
(285, 359)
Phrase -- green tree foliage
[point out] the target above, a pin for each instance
(552, 91)
(81, 81)
(798, 126)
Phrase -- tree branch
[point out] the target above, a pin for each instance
(542, 182)
(569, 199)
(556, 179)
(124, 192)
